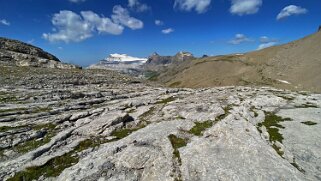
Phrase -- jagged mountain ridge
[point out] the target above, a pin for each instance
(156, 59)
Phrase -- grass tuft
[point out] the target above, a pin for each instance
(175, 84)
(176, 144)
(55, 166)
(309, 123)
(165, 101)
(199, 128)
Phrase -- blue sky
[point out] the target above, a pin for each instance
(85, 31)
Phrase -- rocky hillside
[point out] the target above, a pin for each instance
(16, 53)
(99, 125)
(296, 65)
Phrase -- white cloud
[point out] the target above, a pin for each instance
(265, 39)
(73, 27)
(159, 22)
(291, 10)
(266, 42)
(244, 7)
(5, 22)
(102, 24)
(168, 31)
(266, 45)
(239, 38)
(138, 6)
(77, 1)
(200, 6)
(70, 27)
(121, 16)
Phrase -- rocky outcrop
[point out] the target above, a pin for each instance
(16, 53)
(319, 28)
(156, 59)
(99, 125)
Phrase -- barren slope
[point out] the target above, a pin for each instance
(296, 65)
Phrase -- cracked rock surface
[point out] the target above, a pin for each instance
(100, 125)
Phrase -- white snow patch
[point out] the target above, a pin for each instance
(124, 58)
(283, 81)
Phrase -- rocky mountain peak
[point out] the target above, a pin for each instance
(155, 54)
(182, 56)
(319, 28)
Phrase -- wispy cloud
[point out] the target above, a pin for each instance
(291, 10)
(245, 7)
(4, 22)
(138, 6)
(77, 1)
(240, 38)
(159, 22)
(200, 6)
(267, 42)
(72, 27)
(121, 16)
(266, 45)
(168, 31)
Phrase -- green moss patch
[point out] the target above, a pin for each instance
(272, 124)
(199, 128)
(122, 133)
(307, 105)
(8, 128)
(309, 123)
(226, 112)
(147, 114)
(20, 110)
(175, 84)
(167, 100)
(176, 144)
(7, 98)
(55, 166)
(152, 75)
(36, 142)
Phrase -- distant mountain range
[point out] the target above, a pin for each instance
(139, 66)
